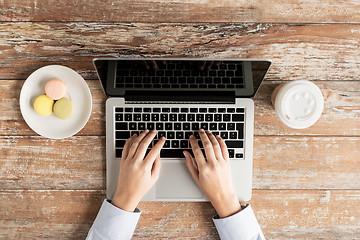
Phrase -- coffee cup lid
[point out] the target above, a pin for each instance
(299, 104)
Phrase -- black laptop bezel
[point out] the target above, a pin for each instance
(103, 67)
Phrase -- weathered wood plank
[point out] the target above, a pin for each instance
(279, 163)
(340, 116)
(310, 51)
(282, 214)
(178, 11)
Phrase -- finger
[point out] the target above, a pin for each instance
(190, 163)
(223, 147)
(136, 142)
(154, 152)
(199, 156)
(209, 150)
(127, 146)
(156, 167)
(144, 145)
(216, 146)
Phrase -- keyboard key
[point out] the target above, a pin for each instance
(203, 110)
(233, 135)
(168, 126)
(150, 126)
(137, 117)
(137, 110)
(234, 144)
(231, 110)
(120, 143)
(146, 117)
(147, 110)
(173, 117)
(216, 133)
(238, 117)
(132, 126)
(161, 134)
(186, 126)
(208, 117)
(199, 117)
(164, 117)
(118, 153)
(128, 117)
(119, 110)
(184, 143)
(224, 135)
(166, 145)
(182, 117)
(177, 126)
(159, 126)
(179, 135)
(213, 126)
(166, 109)
(122, 135)
(226, 117)
(191, 117)
(173, 153)
(194, 110)
(239, 155)
(170, 135)
(222, 126)
(240, 128)
(231, 153)
(175, 110)
(195, 126)
(119, 117)
(141, 126)
(175, 144)
(217, 117)
(212, 110)
(231, 126)
(155, 117)
(240, 110)
(128, 110)
(221, 110)
(204, 126)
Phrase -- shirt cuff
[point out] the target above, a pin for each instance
(241, 225)
(114, 223)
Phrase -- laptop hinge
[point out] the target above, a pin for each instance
(182, 97)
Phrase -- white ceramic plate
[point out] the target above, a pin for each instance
(77, 91)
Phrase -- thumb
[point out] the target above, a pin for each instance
(155, 171)
(190, 163)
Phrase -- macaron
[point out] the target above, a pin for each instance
(63, 108)
(43, 105)
(55, 89)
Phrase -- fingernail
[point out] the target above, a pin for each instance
(218, 136)
(146, 130)
(163, 138)
(201, 130)
(208, 132)
(134, 135)
(154, 131)
(192, 136)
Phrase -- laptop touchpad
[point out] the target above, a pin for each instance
(176, 182)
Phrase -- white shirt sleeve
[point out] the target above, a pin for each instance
(240, 226)
(113, 223)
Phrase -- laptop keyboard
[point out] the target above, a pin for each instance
(179, 74)
(177, 124)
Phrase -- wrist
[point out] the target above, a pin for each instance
(227, 206)
(124, 202)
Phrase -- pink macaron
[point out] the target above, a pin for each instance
(55, 89)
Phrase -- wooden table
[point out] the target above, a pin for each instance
(306, 182)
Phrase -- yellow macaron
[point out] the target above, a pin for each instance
(43, 105)
(63, 108)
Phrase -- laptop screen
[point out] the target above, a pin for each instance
(181, 78)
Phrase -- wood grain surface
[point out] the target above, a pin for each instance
(315, 11)
(306, 182)
(282, 214)
(298, 51)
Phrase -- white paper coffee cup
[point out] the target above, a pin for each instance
(298, 104)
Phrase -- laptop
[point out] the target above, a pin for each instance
(177, 97)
